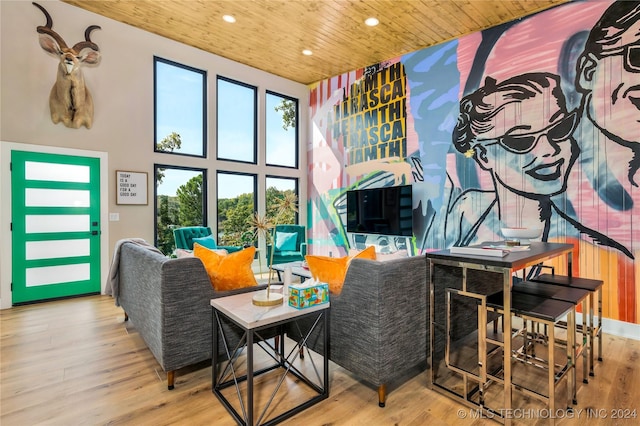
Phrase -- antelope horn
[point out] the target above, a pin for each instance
(46, 29)
(87, 32)
(87, 36)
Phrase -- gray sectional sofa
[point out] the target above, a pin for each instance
(168, 302)
(378, 324)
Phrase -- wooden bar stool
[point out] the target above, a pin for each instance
(595, 289)
(547, 312)
(575, 296)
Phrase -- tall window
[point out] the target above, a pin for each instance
(277, 189)
(180, 108)
(237, 117)
(281, 130)
(180, 201)
(180, 129)
(236, 204)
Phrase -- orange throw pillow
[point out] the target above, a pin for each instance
(368, 253)
(230, 271)
(332, 270)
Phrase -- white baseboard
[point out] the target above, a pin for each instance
(617, 328)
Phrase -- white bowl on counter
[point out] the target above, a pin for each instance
(521, 234)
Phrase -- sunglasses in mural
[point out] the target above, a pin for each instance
(632, 58)
(525, 142)
(631, 54)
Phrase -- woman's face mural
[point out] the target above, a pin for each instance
(526, 154)
(520, 131)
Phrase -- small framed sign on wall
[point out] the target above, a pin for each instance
(131, 187)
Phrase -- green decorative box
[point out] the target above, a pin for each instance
(308, 294)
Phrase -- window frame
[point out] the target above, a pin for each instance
(205, 197)
(255, 120)
(204, 74)
(235, 173)
(296, 166)
(296, 191)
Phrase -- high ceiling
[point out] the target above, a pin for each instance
(271, 35)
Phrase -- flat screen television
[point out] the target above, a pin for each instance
(386, 210)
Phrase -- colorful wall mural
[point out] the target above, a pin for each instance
(534, 123)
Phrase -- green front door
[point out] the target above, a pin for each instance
(55, 226)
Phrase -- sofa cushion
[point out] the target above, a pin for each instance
(180, 253)
(332, 270)
(207, 242)
(286, 241)
(228, 271)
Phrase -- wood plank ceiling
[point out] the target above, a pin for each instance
(271, 35)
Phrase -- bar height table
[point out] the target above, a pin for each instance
(499, 271)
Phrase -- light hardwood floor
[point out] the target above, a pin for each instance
(76, 362)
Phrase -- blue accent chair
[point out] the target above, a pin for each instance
(288, 254)
(184, 237)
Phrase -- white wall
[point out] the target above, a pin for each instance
(122, 90)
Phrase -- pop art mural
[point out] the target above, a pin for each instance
(534, 123)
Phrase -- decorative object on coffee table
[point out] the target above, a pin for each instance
(263, 226)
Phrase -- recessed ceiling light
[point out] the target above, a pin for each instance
(307, 52)
(372, 22)
(229, 18)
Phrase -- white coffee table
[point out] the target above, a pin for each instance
(253, 320)
(296, 269)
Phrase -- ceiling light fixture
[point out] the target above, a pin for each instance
(372, 22)
(228, 18)
(307, 52)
